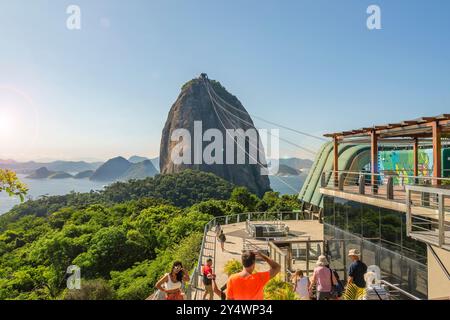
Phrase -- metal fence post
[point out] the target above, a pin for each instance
(323, 180)
(341, 181)
(238, 218)
(441, 220)
(307, 257)
(390, 188)
(408, 212)
(362, 184)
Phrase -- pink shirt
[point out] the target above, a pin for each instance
(323, 279)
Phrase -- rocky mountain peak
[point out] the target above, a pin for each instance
(194, 104)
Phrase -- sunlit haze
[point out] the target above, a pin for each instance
(106, 89)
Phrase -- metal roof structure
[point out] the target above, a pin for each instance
(417, 128)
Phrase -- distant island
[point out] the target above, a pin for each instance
(44, 173)
(285, 170)
(116, 169)
(121, 169)
(30, 167)
(293, 167)
(84, 174)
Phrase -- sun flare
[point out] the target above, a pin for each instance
(6, 122)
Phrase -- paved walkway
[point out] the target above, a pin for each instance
(236, 235)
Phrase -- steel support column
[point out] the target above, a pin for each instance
(416, 157)
(437, 158)
(374, 160)
(336, 161)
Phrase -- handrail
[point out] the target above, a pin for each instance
(255, 247)
(193, 285)
(409, 295)
(439, 223)
(386, 173)
(439, 261)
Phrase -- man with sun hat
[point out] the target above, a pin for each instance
(357, 269)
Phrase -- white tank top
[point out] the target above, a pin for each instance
(170, 285)
(302, 287)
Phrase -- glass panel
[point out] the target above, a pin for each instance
(328, 210)
(336, 253)
(370, 222)
(391, 228)
(354, 218)
(340, 213)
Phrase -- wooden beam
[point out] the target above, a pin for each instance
(374, 160)
(437, 158)
(336, 161)
(409, 122)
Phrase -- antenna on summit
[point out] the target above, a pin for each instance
(204, 76)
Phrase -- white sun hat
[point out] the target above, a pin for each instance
(322, 261)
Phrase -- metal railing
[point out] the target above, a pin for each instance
(193, 287)
(390, 185)
(428, 220)
(261, 247)
(266, 230)
(397, 293)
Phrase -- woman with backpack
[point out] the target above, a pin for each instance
(324, 279)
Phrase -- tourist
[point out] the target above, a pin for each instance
(219, 292)
(323, 278)
(301, 285)
(218, 229)
(208, 275)
(248, 284)
(222, 240)
(357, 269)
(173, 281)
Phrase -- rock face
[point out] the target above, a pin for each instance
(194, 104)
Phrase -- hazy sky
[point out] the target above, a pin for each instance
(105, 90)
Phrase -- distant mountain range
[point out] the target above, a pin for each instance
(119, 168)
(284, 170)
(44, 173)
(293, 166)
(65, 166)
(122, 169)
(297, 163)
(116, 169)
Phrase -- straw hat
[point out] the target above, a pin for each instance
(354, 252)
(322, 261)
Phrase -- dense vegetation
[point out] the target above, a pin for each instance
(123, 238)
(182, 190)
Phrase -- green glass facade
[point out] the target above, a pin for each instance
(380, 235)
